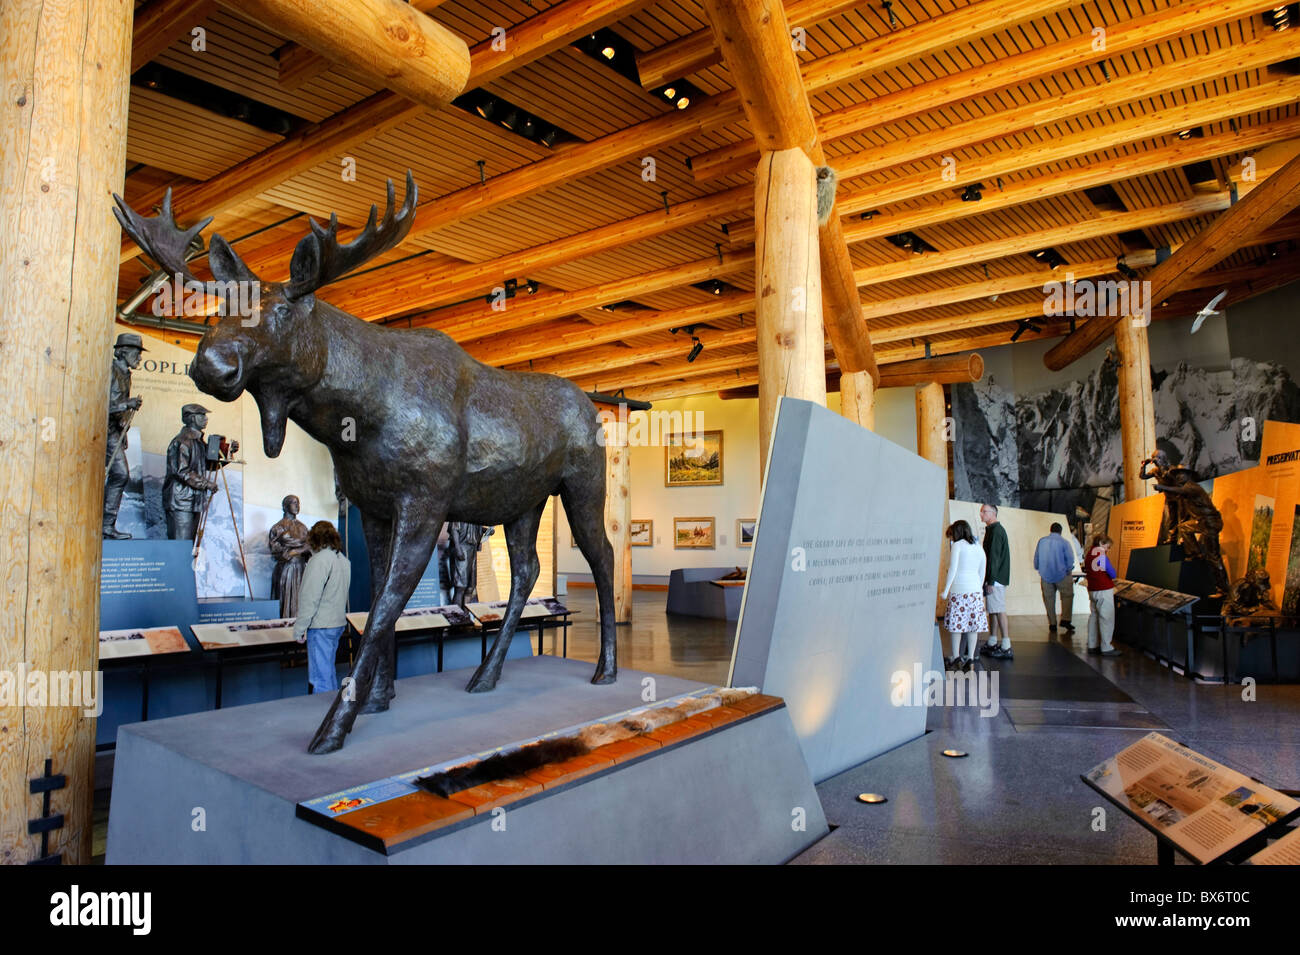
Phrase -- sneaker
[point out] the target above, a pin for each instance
(1001, 654)
(1094, 650)
(1112, 652)
(1067, 625)
(1052, 627)
(966, 664)
(988, 649)
(950, 663)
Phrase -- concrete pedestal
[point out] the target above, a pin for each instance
(223, 787)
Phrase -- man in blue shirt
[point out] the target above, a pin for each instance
(1054, 560)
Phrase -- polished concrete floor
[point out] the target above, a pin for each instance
(1017, 796)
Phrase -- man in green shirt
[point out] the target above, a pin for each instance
(997, 575)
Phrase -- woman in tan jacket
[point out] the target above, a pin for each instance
(322, 604)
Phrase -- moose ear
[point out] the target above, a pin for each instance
(226, 264)
(304, 267)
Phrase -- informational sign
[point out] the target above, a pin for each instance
(237, 611)
(146, 583)
(535, 607)
(1134, 524)
(141, 642)
(420, 618)
(221, 636)
(1202, 807)
(842, 584)
(1286, 851)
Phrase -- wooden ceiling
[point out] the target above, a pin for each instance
(1072, 134)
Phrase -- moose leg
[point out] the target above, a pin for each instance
(379, 537)
(521, 542)
(584, 503)
(413, 537)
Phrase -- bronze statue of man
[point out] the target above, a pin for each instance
(462, 558)
(288, 542)
(126, 356)
(187, 482)
(1158, 468)
(1198, 530)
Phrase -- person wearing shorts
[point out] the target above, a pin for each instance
(997, 575)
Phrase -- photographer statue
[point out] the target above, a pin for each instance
(121, 408)
(187, 483)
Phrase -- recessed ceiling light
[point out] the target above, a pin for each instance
(684, 102)
(608, 53)
(670, 92)
(872, 798)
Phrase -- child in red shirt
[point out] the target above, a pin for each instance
(1101, 595)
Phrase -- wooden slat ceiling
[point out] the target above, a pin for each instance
(171, 142)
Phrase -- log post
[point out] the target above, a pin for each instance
(932, 444)
(618, 508)
(858, 398)
(1137, 416)
(65, 71)
(791, 339)
(389, 42)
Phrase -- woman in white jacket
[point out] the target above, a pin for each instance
(966, 615)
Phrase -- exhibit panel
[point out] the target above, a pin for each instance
(841, 590)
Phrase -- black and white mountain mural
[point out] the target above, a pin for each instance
(1010, 445)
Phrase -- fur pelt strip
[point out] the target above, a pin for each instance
(535, 755)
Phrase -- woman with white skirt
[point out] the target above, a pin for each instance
(966, 617)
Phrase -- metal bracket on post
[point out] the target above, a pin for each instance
(47, 823)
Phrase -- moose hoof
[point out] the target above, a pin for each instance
(603, 677)
(326, 743)
(481, 683)
(374, 706)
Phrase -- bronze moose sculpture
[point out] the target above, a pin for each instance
(419, 432)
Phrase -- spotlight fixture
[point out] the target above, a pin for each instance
(1022, 326)
(486, 108)
(683, 102)
(1050, 257)
(889, 8)
(670, 92)
(872, 799)
(528, 127)
(910, 242)
(1279, 18)
(532, 286)
(1184, 134)
(1125, 269)
(955, 753)
(608, 52)
(510, 120)
(548, 138)
(695, 350)
(972, 192)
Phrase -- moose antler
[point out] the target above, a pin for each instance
(164, 241)
(319, 259)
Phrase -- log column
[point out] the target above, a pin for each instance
(618, 506)
(65, 71)
(932, 444)
(1137, 415)
(791, 340)
(858, 398)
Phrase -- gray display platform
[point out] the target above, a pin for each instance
(735, 795)
(691, 591)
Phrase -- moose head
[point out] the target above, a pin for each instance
(279, 351)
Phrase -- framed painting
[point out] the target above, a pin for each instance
(693, 459)
(694, 533)
(745, 531)
(642, 533)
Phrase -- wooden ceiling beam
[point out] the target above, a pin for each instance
(561, 337)
(415, 284)
(478, 319)
(947, 205)
(376, 115)
(298, 64)
(388, 42)
(1269, 201)
(1003, 72)
(1255, 53)
(159, 23)
(697, 51)
(1105, 223)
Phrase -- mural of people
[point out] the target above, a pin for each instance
(287, 540)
